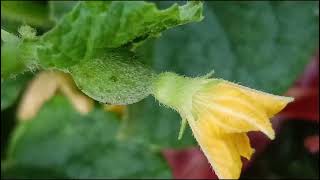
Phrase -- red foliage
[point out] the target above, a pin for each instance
(189, 164)
(306, 94)
(312, 144)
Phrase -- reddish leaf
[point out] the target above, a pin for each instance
(189, 164)
(306, 94)
(305, 106)
(312, 144)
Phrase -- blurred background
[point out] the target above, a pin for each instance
(270, 46)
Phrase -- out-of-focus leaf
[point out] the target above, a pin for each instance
(8, 37)
(306, 94)
(263, 45)
(251, 43)
(59, 142)
(156, 125)
(59, 8)
(311, 143)
(11, 88)
(189, 163)
(26, 12)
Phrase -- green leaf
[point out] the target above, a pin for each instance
(102, 36)
(11, 89)
(61, 143)
(59, 8)
(262, 45)
(18, 55)
(26, 12)
(8, 37)
(92, 26)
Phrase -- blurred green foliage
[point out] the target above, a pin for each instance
(10, 89)
(69, 145)
(15, 13)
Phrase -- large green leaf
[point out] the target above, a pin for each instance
(156, 125)
(61, 143)
(59, 8)
(96, 25)
(262, 45)
(97, 34)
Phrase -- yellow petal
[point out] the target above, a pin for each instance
(232, 117)
(218, 147)
(243, 144)
(232, 110)
(272, 103)
(237, 108)
(241, 140)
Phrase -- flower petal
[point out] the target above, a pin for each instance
(241, 140)
(232, 110)
(243, 144)
(271, 103)
(219, 148)
(237, 108)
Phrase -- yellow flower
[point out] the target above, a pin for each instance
(220, 113)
